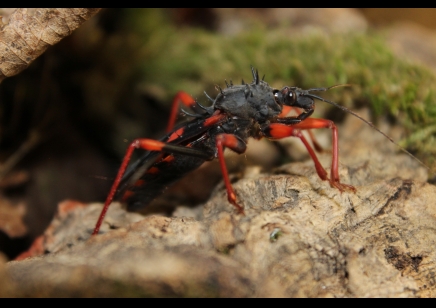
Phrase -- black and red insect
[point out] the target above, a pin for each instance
(238, 112)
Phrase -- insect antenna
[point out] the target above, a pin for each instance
(331, 87)
(243, 82)
(228, 86)
(363, 119)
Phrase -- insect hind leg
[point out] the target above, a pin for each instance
(149, 145)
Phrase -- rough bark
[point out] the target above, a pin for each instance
(299, 237)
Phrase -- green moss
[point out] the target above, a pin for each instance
(194, 60)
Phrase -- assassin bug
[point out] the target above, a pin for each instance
(237, 113)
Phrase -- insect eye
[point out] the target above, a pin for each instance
(292, 97)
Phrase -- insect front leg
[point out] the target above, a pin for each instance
(285, 112)
(234, 143)
(149, 145)
(278, 131)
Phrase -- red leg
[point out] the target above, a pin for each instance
(186, 100)
(286, 110)
(149, 145)
(237, 145)
(278, 131)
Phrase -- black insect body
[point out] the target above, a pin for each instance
(238, 112)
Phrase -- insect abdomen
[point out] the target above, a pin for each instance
(158, 178)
